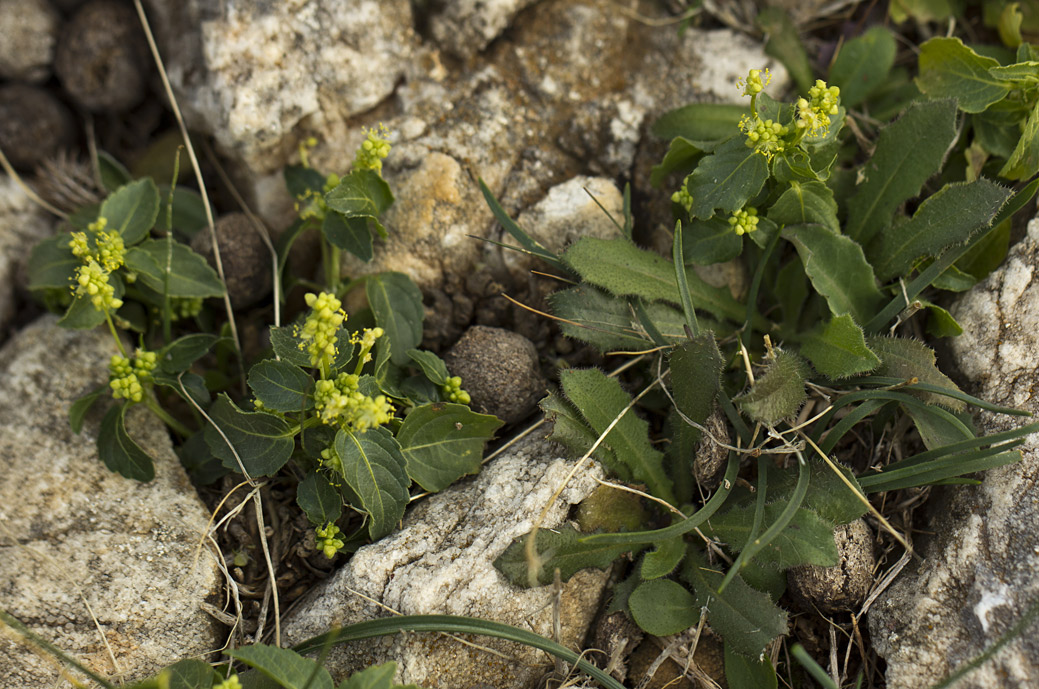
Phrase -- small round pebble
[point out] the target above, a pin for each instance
(844, 586)
(246, 259)
(29, 33)
(34, 125)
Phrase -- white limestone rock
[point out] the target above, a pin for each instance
(466, 27)
(103, 567)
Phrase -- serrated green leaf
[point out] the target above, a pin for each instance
(349, 234)
(828, 496)
(118, 450)
(908, 152)
(442, 442)
(374, 468)
(606, 322)
(947, 217)
(663, 607)
(783, 43)
(988, 252)
(744, 671)
(131, 210)
(189, 274)
(52, 263)
(288, 668)
(726, 179)
(78, 409)
(779, 393)
(178, 355)
(318, 499)
(361, 194)
(746, 618)
(837, 269)
(432, 366)
(806, 540)
(863, 64)
(397, 305)
(906, 358)
(839, 349)
(663, 559)
(710, 241)
(570, 430)
(600, 399)
(281, 386)
(700, 122)
(806, 202)
(1024, 161)
(623, 269)
(555, 549)
(949, 69)
(696, 369)
(264, 442)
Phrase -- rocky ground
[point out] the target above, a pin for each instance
(549, 103)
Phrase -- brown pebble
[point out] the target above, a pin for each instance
(34, 125)
(844, 586)
(246, 259)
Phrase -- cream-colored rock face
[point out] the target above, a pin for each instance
(105, 568)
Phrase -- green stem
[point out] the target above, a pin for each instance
(115, 335)
(173, 423)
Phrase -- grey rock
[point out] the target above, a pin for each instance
(104, 567)
(440, 562)
(499, 369)
(466, 27)
(22, 225)
(981, 570)
(844, 586)
(34, 125)
(30, 29)
(246, 260)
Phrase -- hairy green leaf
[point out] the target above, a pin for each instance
(908, 152)
(779, 393)
(726, 179)
(318, 499)
(863, 64)
(696, 369)
(838, 270)
(744, 671)
(374, 468)
(131, 210)
(906, 358)
(838, 349)
(663, 607)
(118, 450)
(608, 323)
(288, 668)
(570, 430)
(949, 69)
(700, 122)
(442, 442)
(397, 305)
(281, 386)
(663, 559)
(555, 549)
(1024, 161)
(806, 202)
(264, 442)
(828, 497)
(600, 400)
(806, 540)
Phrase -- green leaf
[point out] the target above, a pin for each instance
(949, 216)
(78, 409)
(361, 194)
(189, 213)
(52, 264)
(131, 210)
(696, 369)
(555, 549)
(940, 323)
(397, 305)
(906, 358)
(113, 173)
(1009, 26)
(570, 430)
(81, 314)
(321, 502)
(264, 442)
(806, 540)
(189, 275)
(746, 618)
(1024, 161)
(193, 383)
(710, 241)
(281, 386)
(954, 280)
(288, 668)
(600, 400)
(783, 43)
(752, 673)
(178, 355)
(837, 269)
(432, 366)
(987, 253)
(663, 560)
(937, 426)
(528, 243)
(375, 677)
(726, 179)
(839, 349)
(806, 202)
(700, 122)
(779, 393)
(908, 152)
(118, 450)
(374, 468)
(350, 234)
(949, 69)
(300, 179)
(829, 497)
(663, 607)
(791, 290)
(863, 64)
(592, 316)
(681, 157)
(622, 268)
(287, 345)
(442, 442)
(190, 674)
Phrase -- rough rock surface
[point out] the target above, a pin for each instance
(465, 27)
(101, 566)
(982, 567)
(22, 224)
(27, 41)
(441, 562)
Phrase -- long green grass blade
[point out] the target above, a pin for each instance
(885, 381)
(36, 640)
(678, 257)
(525, 240)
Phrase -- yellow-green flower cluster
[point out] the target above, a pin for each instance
(453, 392)
(754, 83)
(373, 150)
(185, 307)
(744, 220)
(764, 136)
(340, 403)
(328, 541)
(229, 683)
(813, 113)
(683, 198)
(98, 263)
(126, 377)
(320, 331)
(367, 340)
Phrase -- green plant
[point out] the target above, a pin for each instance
(835, 270)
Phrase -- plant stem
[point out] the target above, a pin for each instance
(115, 335)
(166, 417)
